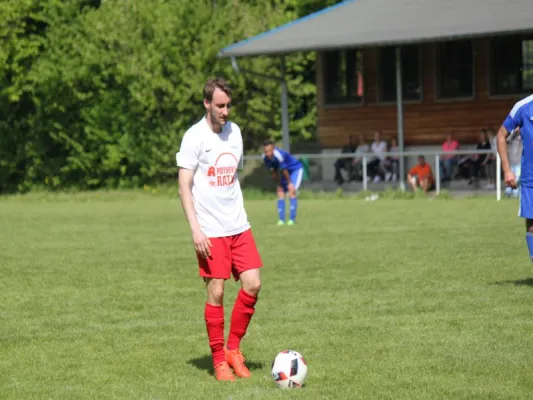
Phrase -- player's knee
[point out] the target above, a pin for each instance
(252, 286)
(216, 296)
(215, 291)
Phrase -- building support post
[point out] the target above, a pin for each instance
(399, 104)
(285, 134)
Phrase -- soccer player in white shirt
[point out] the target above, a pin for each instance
(211, 197)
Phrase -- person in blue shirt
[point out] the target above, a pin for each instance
(287, 172)
(520, 118)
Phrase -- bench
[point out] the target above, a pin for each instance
(325, 167)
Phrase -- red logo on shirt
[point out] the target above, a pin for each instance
(224, 171)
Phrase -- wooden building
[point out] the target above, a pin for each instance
(455, 87)
(461, 65)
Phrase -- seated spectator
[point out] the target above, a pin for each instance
(464, 167)
(478, 159)
(392, 162)
(489, 162)
(344, 162)
(448, 161)
(376, 168)
(421, 176)
(357, 164)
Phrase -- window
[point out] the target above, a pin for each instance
(411, 82)
(511, 65)
(343, 76)
(455, 69)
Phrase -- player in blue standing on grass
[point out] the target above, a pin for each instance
(287, 172)
(520, 117)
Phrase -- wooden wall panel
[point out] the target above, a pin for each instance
(426, 122)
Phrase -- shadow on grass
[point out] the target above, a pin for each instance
(518, 282)
(206, 363)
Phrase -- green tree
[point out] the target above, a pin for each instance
(23, 28)
(100, 93)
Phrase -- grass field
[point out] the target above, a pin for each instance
(392, 299)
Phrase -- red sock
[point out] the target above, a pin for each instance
(214, 321)
(242, 313)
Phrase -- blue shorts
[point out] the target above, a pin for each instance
(525, 209)
(296, 179)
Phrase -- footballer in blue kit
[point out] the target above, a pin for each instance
(520, 117)
(287, 172)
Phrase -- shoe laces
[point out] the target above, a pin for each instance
(223, 367)
(239, 357)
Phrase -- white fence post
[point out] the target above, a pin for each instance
(365, 180)
(498, 178)
(437, 173)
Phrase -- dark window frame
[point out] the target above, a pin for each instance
(379, 81)
(329, 100)
(493, 93)
(439, 97)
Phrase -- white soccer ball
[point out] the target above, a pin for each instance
(289, 369)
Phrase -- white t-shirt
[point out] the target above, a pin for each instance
(493, 145)
(216, 190)
(362, 148)
(379, 149)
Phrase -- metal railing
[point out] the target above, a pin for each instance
(367, 157)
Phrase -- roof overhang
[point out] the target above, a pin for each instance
(364, 23)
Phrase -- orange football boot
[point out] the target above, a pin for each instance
(236, 360)
(223, 372)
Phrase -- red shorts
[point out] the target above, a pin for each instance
(230, 254)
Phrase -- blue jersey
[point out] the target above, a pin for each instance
(282, 160)
(521, 116)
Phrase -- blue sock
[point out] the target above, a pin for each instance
(529, 240)
(294, 207)
(281, 209)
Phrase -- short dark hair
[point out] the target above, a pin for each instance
(216, 83)
(268, 142)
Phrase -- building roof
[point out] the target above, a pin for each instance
(358, 23)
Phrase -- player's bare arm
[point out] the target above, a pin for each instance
(287, 177)
(290, 185)
(201, 242)
(501, 140)
(275, 176)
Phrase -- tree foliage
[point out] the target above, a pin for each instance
(99, 93)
